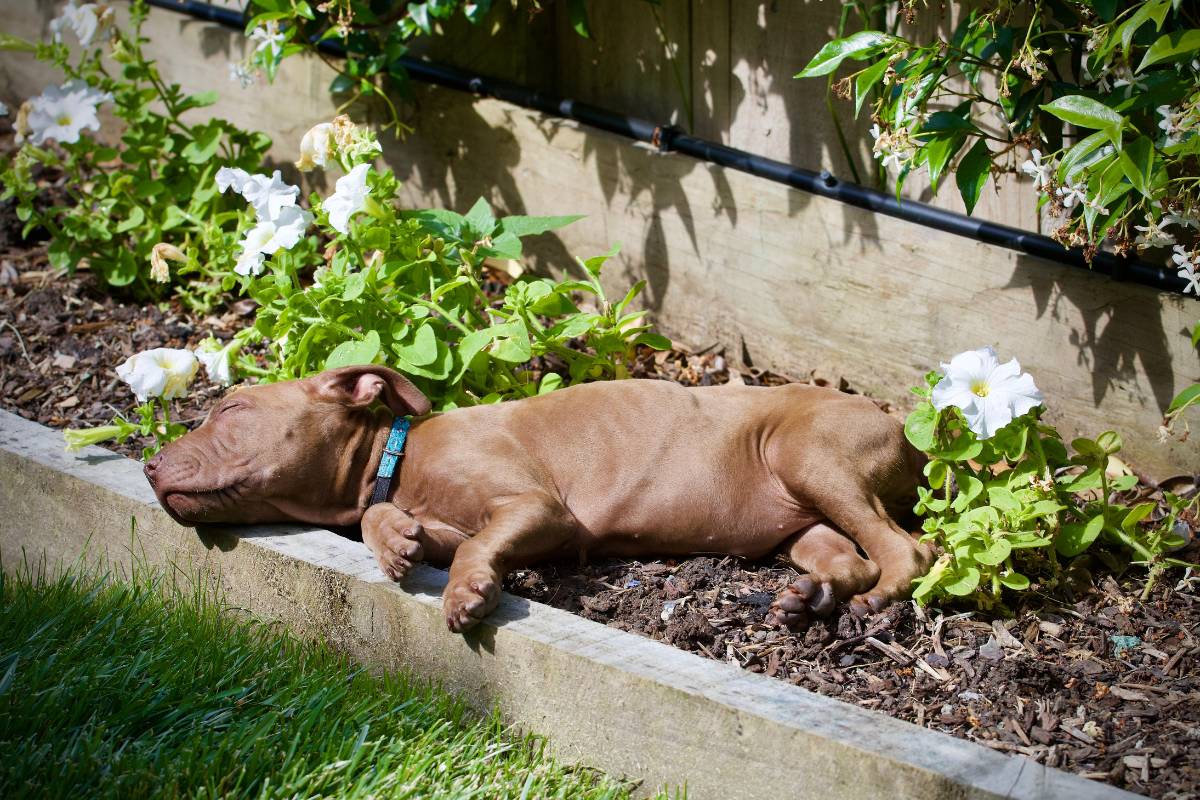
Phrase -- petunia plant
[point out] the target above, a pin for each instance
(359, 280)
(1006, 501)
(141, 212)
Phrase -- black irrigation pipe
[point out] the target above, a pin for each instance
(670, 139)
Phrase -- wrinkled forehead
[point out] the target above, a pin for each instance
(273, 396)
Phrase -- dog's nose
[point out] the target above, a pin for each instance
(151, 468)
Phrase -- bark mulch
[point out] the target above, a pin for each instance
(1100, 683)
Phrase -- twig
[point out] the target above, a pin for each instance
(20, 341)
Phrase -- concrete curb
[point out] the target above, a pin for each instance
(609, 699)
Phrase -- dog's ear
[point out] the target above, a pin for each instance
(359, 387)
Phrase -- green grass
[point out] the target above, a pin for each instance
(135, 689)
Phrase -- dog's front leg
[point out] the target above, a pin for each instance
(520, 528)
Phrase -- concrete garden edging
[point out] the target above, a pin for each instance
(610, 699)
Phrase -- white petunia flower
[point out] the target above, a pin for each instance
(218, 359)
(989, 394)
(82, 20)
(1035, 169)
(1152, 235)
(163, 372)
(269, 195)
(271, 235)
(316, 147)
(61, 112)
(249, 263)
(1188, 265)
(268, 37)
(349, 199)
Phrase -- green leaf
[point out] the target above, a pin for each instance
(1076, 537)
(506, 245)
(480, 218)
(1015, 580)
(1088, 113)
(866, 80)
(422, 350)
(1137, 162)
(354, 352)
(1082, 154)
(577, 14)
(964, 582)
(594, 264)
(1156, 10)
(973, 172)
(1136, 515)
(1003, 499)
(921, 426)
(136, 217)
(550, 381)
(859, 46)
(512, 342)
(935, 471)
(1088, 449)
(1171, 46)
(532, 226)
(204, 147)
(356, 283)
(654, 341)
(1187, 397)
(376, 238)
(995, 554)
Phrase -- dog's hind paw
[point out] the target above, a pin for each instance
(796, 605)
(394, 537)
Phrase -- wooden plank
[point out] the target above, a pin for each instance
(711, 69)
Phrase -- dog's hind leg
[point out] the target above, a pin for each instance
(834, 572)
(520, 528)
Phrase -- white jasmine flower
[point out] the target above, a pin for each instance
(159, 255)
(349, 198)
(270, 235)
(241, 74)
(1152, 235)
(82, 20)
(1171, 123)
(1188, 264)
(61, 112)
(1035, 169)
(163, 372)
(1171, 218)
(218, 359)
(1125, 77)
(316, 147)
(1072, 194)
(989, 394)
(268, 37)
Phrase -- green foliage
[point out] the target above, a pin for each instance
(155, 687)
(1105, 94)
(155, 185)
(1003, 511)
(148, 425)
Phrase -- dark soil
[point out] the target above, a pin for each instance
(1100, 683)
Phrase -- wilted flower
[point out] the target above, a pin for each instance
(1152, 235)
(893, 148)
(989, 394)
(352, 141)
(1035, 169)
(316, 147)
(61, 112)
(1189, 269)
(163, 372)
(21, 123)
(268, 37)
(218, 359)
(349, 198)
(269, 236)
(83, 21)
(159, 255)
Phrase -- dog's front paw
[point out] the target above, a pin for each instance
(796, 605)
(394, 537)
(469, 599)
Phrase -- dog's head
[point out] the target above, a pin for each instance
(291, 451)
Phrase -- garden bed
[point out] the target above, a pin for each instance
(1103, 683)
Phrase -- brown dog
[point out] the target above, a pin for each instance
(628, 468)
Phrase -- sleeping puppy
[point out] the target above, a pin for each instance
(632, 468)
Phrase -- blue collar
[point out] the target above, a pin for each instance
(393, 452)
